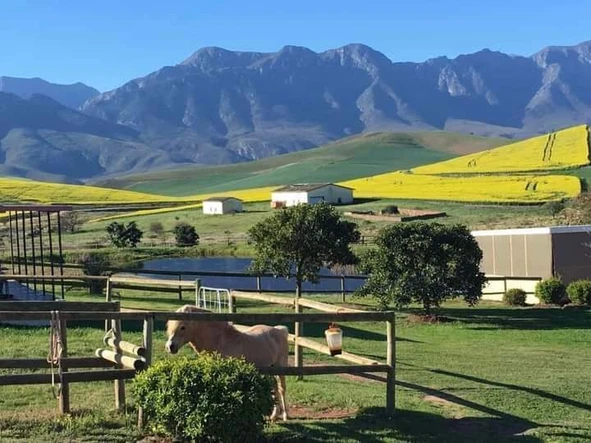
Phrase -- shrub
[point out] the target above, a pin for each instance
(208, 398)
(515, 297)
(551, 291)
(185, 235)
(123, 236)
(95, 263)
(579, 292)
(390, 209)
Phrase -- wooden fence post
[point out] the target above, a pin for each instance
(148, 331)
(258, 283)
(64, 397)
(231, 303)
(119, 384)
(197, 289)
(108, 298)
(298, 349)
(342, 288)
(391, 362)
(180, 288)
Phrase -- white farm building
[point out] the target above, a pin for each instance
(310, 193)
(222, 205)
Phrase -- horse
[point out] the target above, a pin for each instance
(260, 345)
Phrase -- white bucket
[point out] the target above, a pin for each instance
(334, 339)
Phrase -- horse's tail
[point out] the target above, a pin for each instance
(285, 344)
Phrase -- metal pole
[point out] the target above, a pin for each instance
(59, 237)
(18, 244)
(33, 250)
(11, 240)
(51, 253)
(25, 250)
(41, 249)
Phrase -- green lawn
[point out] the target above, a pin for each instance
(492, 374)
(353, 157)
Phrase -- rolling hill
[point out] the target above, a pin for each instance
(350, 158)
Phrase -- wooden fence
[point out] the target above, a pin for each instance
(120, 369)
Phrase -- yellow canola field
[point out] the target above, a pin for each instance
(558, 150)
(45, 192)
(482, 188)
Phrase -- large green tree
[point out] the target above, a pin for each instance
(424, 263)
(124, 236)
(298, 241)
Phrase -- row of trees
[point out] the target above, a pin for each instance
(128, 235)
(425, 263)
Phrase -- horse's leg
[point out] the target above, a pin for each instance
(275, 399)
(281, 389)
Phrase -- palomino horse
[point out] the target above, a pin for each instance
(260, 345)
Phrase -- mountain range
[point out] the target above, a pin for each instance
(220, 106)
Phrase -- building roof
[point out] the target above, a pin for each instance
(220, 199)
(307, 187)
(534, 231)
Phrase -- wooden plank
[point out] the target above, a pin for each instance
(320, 370)
(64, 396)
(125, 361)
(325, 307)
(288, 301)
(148, 331)
(77, 278)
(264, 318)
(119, 384)
(152, 288)
(57, 305)
(126, 346)
(72, 377)
(152, 281)
(347, 356)
(391, 363)
(42, 363)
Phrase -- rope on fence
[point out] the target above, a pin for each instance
(55, 348)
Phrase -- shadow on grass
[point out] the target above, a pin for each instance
(373, 425)
(538, 392)
(523, 319)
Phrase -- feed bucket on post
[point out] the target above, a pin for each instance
(334, 339)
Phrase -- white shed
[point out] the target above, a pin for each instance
(311, 193)
(222, 205)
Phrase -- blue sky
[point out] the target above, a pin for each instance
(107, 43)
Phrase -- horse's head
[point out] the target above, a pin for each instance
(180, 332)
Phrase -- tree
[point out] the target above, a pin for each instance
(157, 229)
(300, 240)
(70, 221)
(185, 235)
(123, 236)
(425, 263)
(554, 207)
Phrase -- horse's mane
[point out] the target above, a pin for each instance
(191, 308)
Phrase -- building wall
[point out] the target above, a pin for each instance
(290, 198)
(232, 205)
(571, 255)
(331, 194)
(516, 255)
(213, 207)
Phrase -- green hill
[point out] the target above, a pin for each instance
(346, 159)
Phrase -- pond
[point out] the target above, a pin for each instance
(235, 264)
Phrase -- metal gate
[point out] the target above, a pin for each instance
(213, 299)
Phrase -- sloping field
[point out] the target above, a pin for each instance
(17, 190)
(479, 188)
(567, 148)
(353, 157)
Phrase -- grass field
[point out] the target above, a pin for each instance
(563, 149)
(350, 158)
(493, 374)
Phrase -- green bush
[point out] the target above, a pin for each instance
(579, 292)
(515, 297)
(208, 398)
(551, 291)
